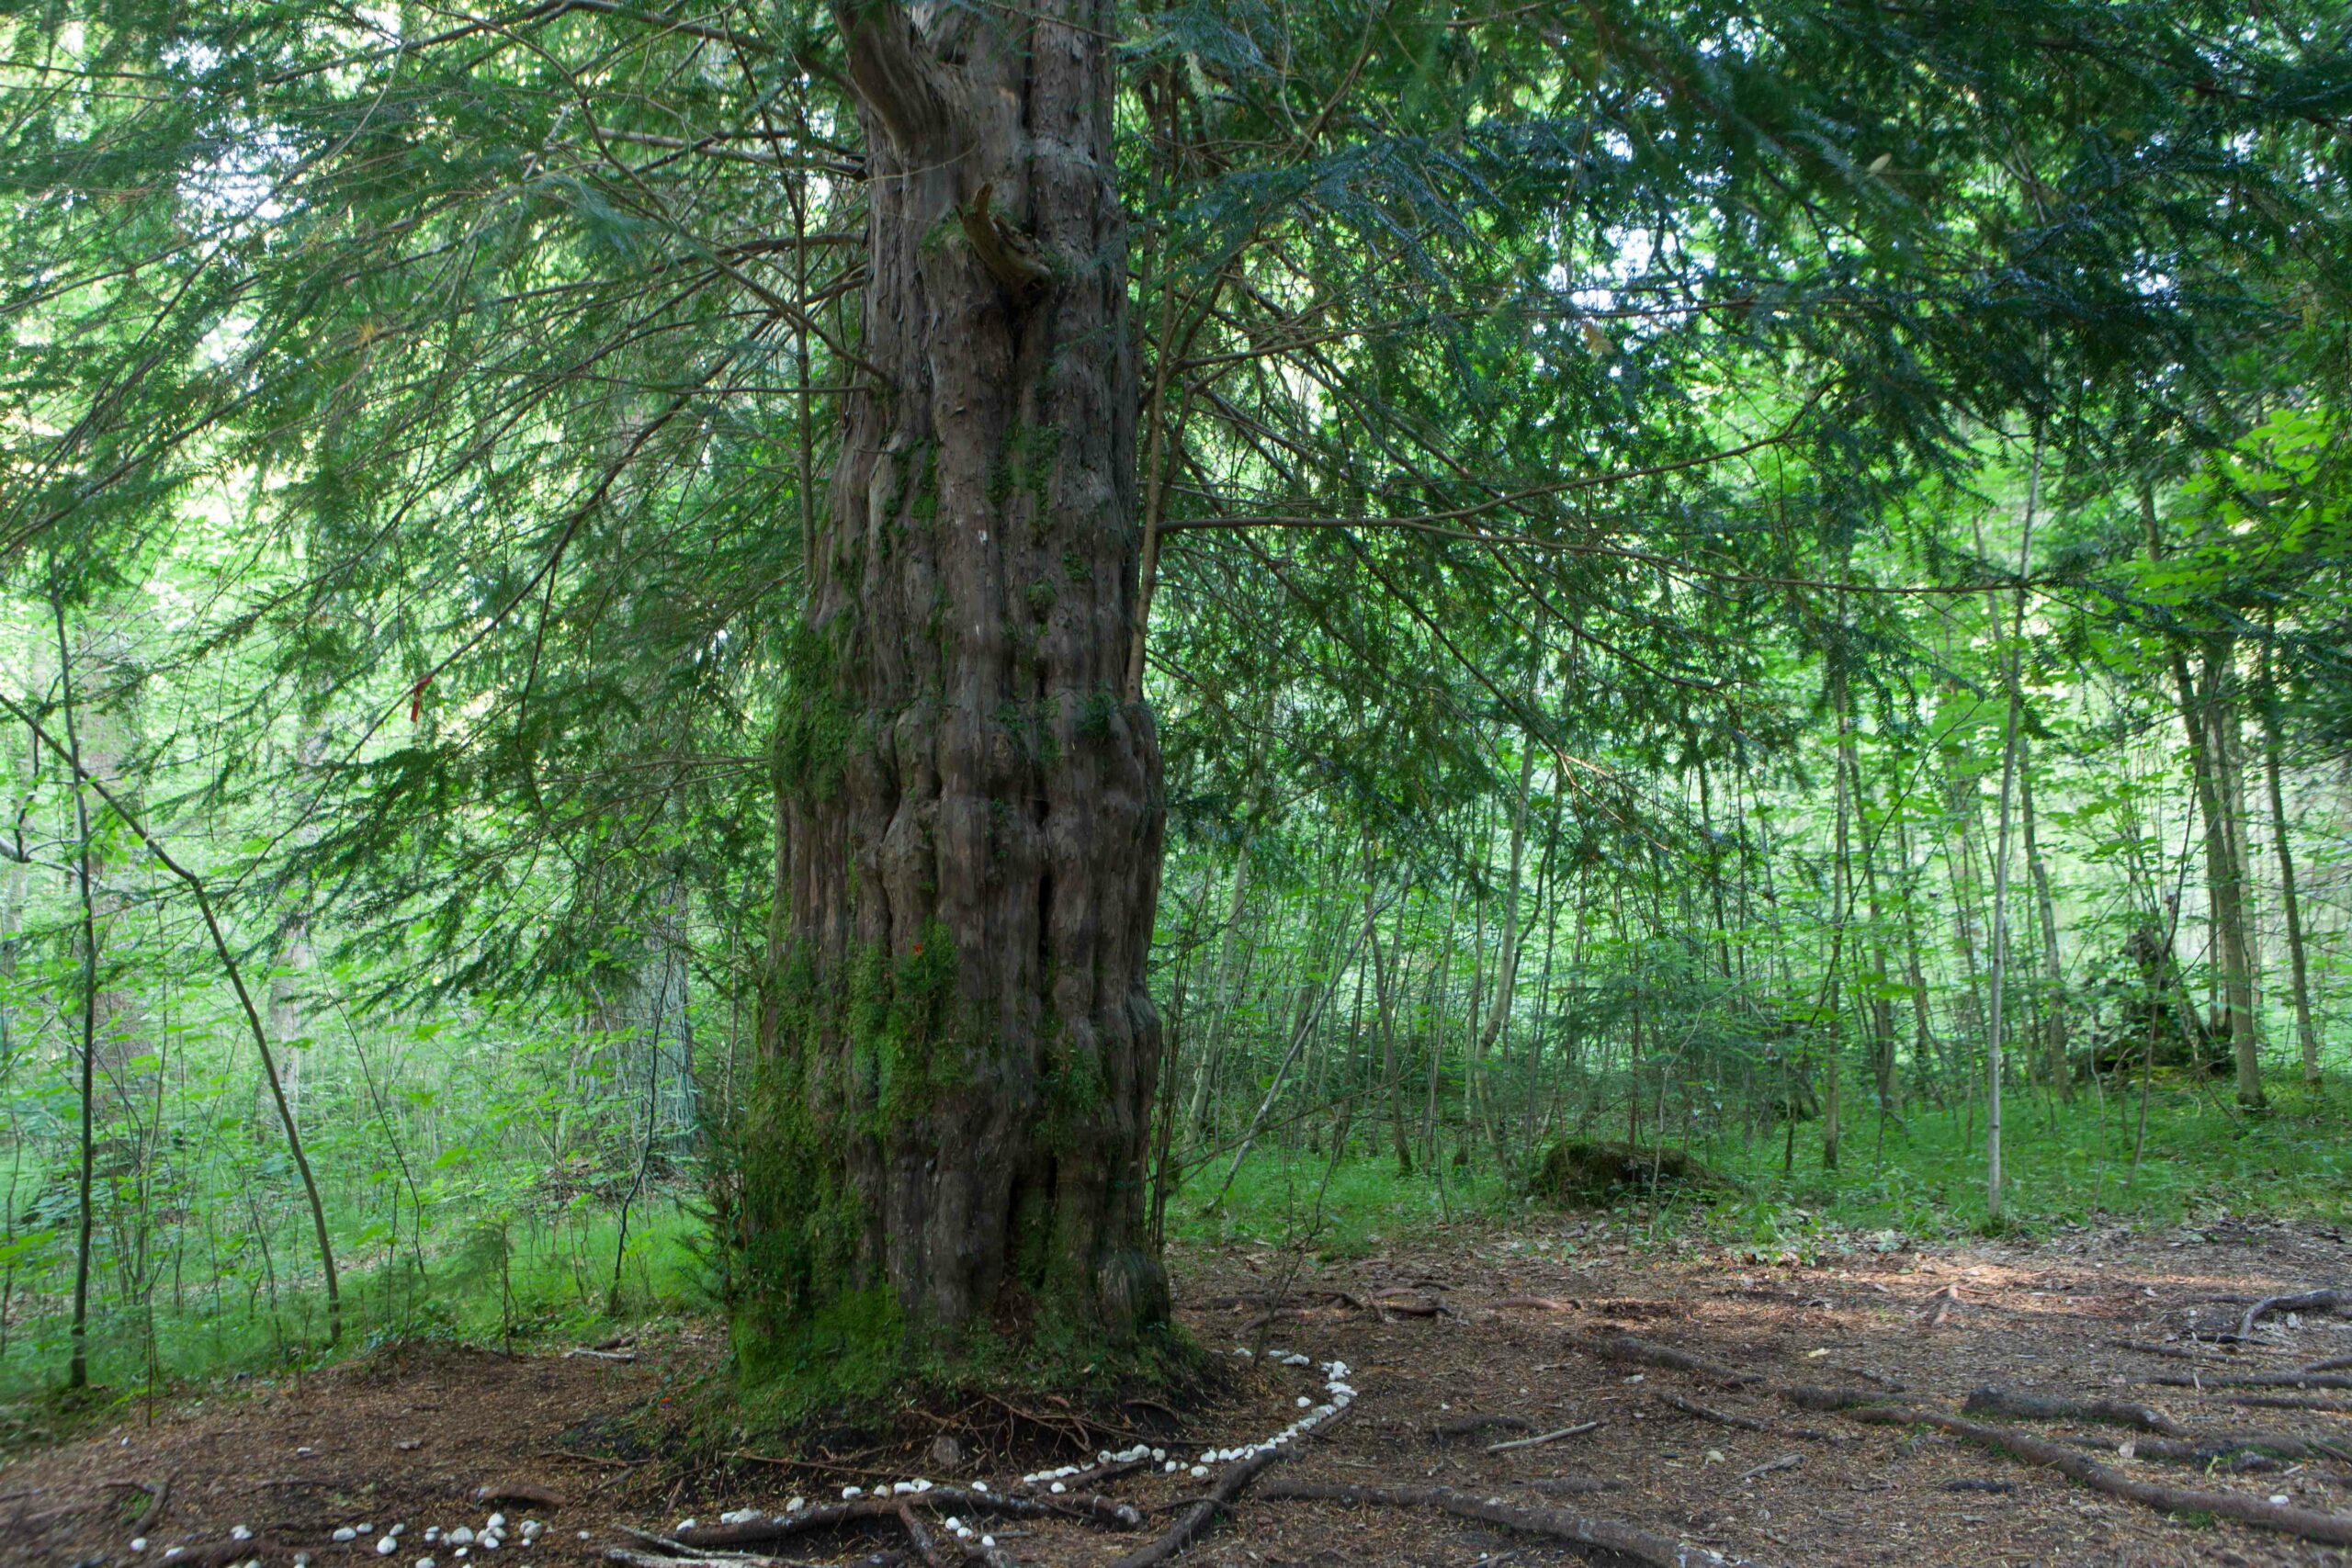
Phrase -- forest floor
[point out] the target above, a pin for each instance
(1514, 1322)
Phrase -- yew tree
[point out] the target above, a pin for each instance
(960, 1051)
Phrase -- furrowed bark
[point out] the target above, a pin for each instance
(958, 1053)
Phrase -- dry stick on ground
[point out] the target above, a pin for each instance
(2300, 1522)
(1194, 1521)
(581, 1351)
(1945, 1300)
(2253, 1379)
(1749, 1422)
(1539, 1304)
(1641, 1352)
(2333, 1364)
(1996, 1401)
(1627, 1541)
(1544, 1437)
(1786, 1462)
(2303, 1301)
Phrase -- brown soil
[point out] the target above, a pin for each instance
(407, 1436)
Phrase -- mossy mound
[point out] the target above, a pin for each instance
(1577, 1171)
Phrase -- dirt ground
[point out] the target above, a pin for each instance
(1491, 1323)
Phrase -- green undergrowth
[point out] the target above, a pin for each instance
(495, 1286)
(2067, 1163)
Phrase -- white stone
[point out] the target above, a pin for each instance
(346, 1533)
(138, 1544)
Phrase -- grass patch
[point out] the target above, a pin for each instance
(495, 1285)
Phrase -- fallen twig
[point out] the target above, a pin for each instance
(519, 1491)
(1542, 1438)
(2252, 1379)
(1786, 1462)
(585, 1352)
(2303, 1523)
(1627, 1541)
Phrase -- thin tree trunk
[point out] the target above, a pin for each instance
(2052, 975)
(2224, 871)
(2012, 679)
(2306, 1036)
(78, 1371)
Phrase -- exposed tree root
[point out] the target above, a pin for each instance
(2302, 1300)
(1642, 1352)
(1609, 1535)
(1194, 1521)
(1996, 1401)
(2303, 1523)
(2333, 1364)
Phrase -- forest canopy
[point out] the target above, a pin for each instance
(855, 661)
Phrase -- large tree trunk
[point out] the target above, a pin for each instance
(959, 1052)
